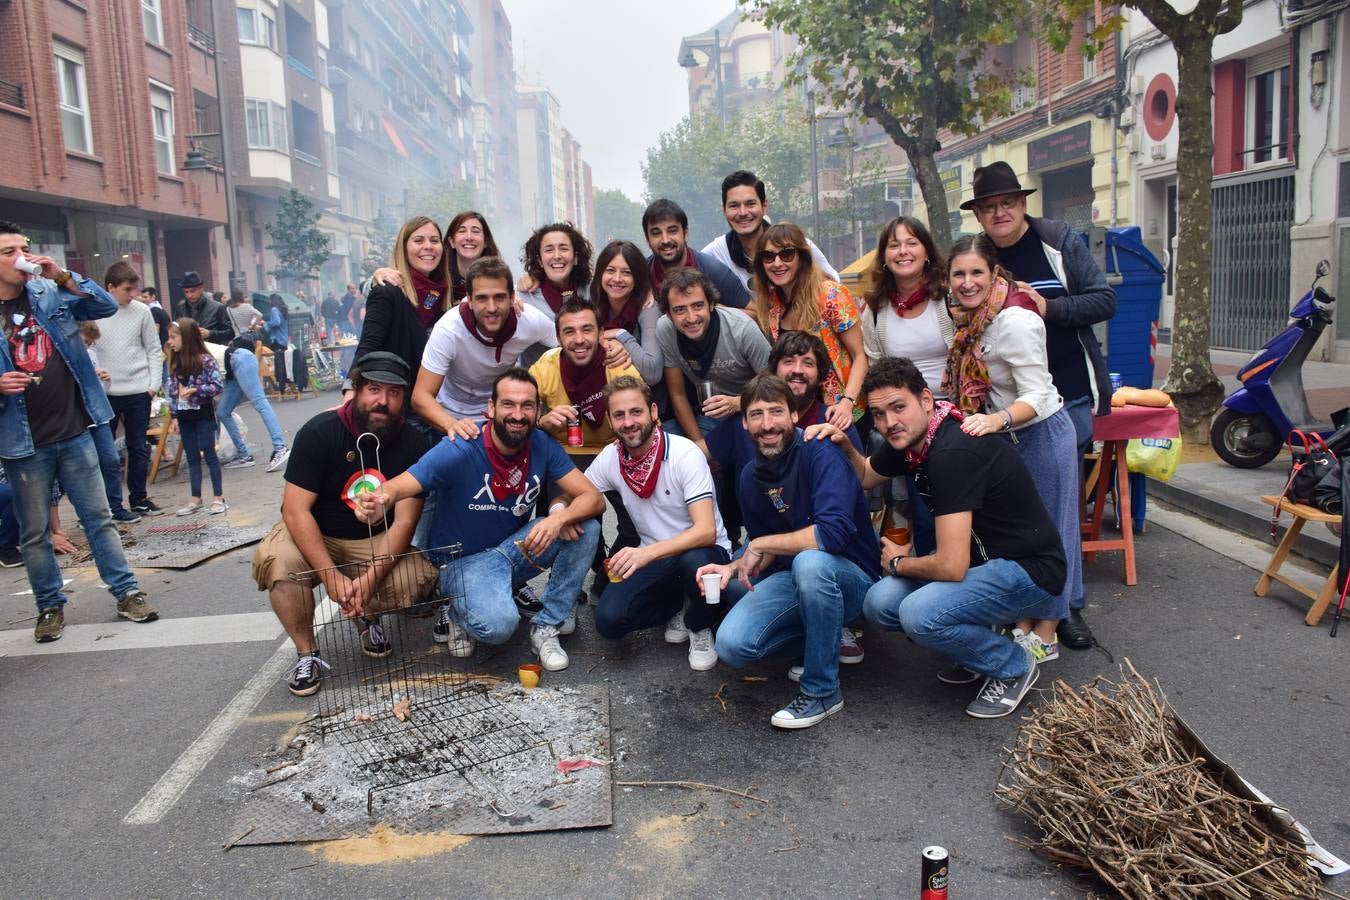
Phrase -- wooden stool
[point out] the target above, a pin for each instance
(1301, 513)
(161, 433)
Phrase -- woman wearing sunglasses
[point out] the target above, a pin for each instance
(791, 294)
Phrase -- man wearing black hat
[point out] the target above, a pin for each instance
(1056, 269)
(208, 313)
(337, 455)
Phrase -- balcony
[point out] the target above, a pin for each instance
(208, 148)
(300, 67)
(201, 38)
(304, 157)
(11, 94)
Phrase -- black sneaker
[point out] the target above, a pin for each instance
(373, 642)
(146, 507)
(10, 557)
(1000, 697)
(528, 601)
(125, 517)
(241, 462)
(304, 677)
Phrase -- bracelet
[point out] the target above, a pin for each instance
(1007, 419)
(895, 563)
(62, 278)
(848, 398)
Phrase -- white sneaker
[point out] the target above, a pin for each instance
(278, 459)
(676, 632)
(569, 624)
(702, 654)
(544, 640)
(449, 632)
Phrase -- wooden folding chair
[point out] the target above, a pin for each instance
(161, 433)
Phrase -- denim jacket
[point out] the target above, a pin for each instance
(58, 311)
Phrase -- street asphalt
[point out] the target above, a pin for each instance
(850, 803)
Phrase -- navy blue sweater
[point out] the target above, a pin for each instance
(827, 495)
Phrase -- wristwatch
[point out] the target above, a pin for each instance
(62, 278)
(895, 561)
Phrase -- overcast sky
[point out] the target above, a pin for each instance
(612, 66)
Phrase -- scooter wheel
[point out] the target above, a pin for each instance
(1244, 440)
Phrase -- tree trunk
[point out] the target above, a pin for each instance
(1191, 380)
(934, 195)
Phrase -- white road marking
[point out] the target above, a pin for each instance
(125, 635)
(172, 784)
(29, 592)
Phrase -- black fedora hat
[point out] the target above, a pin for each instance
(191, 280)
(995, 180)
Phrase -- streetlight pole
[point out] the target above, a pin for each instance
(231, 207)
(721, 91)
(815, 164)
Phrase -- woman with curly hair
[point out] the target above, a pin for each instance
(998, 377)
(791, 294)
(906, 315)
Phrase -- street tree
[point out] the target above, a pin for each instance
(301, 248)
(1196, 390)
(912, 66)
(689, 161)
(852, 193)
(617, 217)
(381, 233)
(440, 200)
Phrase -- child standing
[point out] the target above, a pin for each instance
(195, 380)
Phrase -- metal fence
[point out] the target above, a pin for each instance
(1249, 275)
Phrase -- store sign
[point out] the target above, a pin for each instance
(1069, 145)
(951, 179)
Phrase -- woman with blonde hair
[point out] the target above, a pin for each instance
(791, 294)
(906, 315)
(400, 316)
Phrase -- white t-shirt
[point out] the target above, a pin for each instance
(918, 340)
(684, 479)
(470, 366)
(717, 249)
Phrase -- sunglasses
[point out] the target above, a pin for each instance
(787, 255)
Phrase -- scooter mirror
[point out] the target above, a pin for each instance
(1323, 268)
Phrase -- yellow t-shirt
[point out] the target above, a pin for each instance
(548, 372)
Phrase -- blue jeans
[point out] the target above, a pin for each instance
(9, 525)
(75, 462)
(133, 410)
(245, 382)
(199, 440)
(483, 604)
(657, 591)
(797, 613)
(954, 617)
(109, 463)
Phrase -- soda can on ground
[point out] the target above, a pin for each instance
(934, 884)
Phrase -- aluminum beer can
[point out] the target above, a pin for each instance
(934, 874)
(1115, 381)
(574, 433)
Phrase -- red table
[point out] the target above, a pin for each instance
(1124, 423)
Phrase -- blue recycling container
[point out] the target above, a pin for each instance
(1132, 332)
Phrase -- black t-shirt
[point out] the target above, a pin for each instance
(325, 461)
(55, 407)
(161, 322)
(1027, 261)
(986, 477)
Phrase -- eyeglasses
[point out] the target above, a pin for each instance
(1007, 204)
(787, 255)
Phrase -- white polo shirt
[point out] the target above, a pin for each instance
(684, 479)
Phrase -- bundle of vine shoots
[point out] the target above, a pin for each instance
(1115, 784)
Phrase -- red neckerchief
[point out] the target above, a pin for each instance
(625, 319)
(508, 475)
(430, 297)
(659, 270)
(941, 410)
(585, 386)
(813, 414)
(902, 305)
(554, 295)
(640, 472)
(503, 335)
(346, 414)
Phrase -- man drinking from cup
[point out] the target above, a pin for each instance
(666, 486)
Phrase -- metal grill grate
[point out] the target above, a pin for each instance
(1249, 274)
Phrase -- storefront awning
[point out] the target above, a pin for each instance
(394, 139)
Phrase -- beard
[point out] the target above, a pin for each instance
(506, 439)
(389, 425)
(642, 435)
(770, 452)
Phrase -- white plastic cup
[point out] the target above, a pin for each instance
(712, 587)
(23, 264)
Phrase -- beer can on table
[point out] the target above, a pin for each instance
(574, 433)
(934, 885)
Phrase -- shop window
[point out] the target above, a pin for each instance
(73, 98)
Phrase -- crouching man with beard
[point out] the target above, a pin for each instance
(338, 455)
(485, 490)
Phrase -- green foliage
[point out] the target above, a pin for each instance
(380, 236)
(301, 248)
(852, 194)
(911, 65)
(617, 217)
(689, 161)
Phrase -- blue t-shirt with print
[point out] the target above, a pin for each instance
(466, 511)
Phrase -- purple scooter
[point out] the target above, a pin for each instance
(1252, 426)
